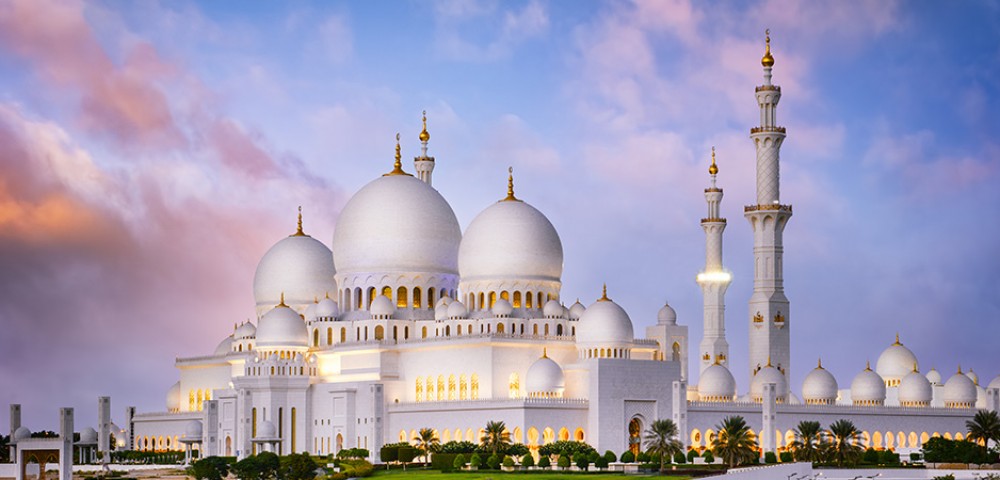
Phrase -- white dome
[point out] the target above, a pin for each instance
(396, 223)
(382, 307)
(88, 435)
(604, 322)
(544, 378)
(868, 388)
(457, 310)
(980, 397)
(244, 331)
(267, 430)
(21, 433)
(895, 362)
(915, 390)
(766, 375)
(552, 309)
(819, 387)
(716, 384)
(193, 430)
(576, 310)
(995, 383)
(299, 266)
(510, 240)
(666, 315)
(445, 300)
(959, 391)
(174, 397)
(282, 327)
(327, 308)
(441, 312)
(225, 346)
(972, 376)
(310, 313)
(502, 308)
(934, 377)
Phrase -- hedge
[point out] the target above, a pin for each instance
(443, 461)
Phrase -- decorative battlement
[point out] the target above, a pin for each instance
(713, 220)
(767, 130)
(764, 88)
(765, 208)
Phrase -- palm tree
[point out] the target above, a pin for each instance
(810, 442)
(661, 439)
(496, 438)
(983, 427)
(735, 443)
(844, 442)
(427, 442)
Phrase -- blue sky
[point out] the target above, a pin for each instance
(155, 150)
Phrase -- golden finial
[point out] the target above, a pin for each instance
(282, 302)
(424, 136)
(604, 294)
(234, 326)
(713, 168)
(819, 363)
(868, 365)
(327, 295)
(915, 367)
(960, 368)
(315, 299)
(510, 186)
(397, 168)
(768, 361)
(298, 230)
(897, 339)
(768, 60)
(545, 353)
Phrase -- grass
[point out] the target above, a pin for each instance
(494, 475)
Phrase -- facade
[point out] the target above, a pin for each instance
(406, 322)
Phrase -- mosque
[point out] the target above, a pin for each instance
(405, 322)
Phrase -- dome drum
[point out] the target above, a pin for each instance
(530, 295)
(409, 292)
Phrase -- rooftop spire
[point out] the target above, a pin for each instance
(298, 230)
(281, 303)
(713, 169)
(767, 61)
(424, 136)
(897, 339)
(545, 353)
(397, 168)
(510, 186)
(868, 365)
(819, 363)
(604, 294)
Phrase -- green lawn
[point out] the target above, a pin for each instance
(493, 475)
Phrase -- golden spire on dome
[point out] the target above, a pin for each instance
(510, 186)
(960, 368)
(604, 294)
(897, 339)
(545, 353)
(424, 136)
(819, 363)
(327, 295)
(281, 303)
(768, 60)
(868, 365)
(298, 230)
(768, 361)
(915, 367)
(713, 168)
(397, 168)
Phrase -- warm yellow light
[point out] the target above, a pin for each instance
(714, 277)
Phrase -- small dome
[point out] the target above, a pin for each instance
(819, 387)
(868, 388)
(21, 433)
(545, 378)
(193, 430)
(267, 430)
(244, 331)
(915, 390)
(934, 377)
(174, 397)
(995, 383)
(300, 267)
(445, 300)
(959, 391)
(981, 399)
(224, 347)
(716, 384)
(502, 308)
(457, 310)
(382, 307)
(441, 312)
(576, 310)
(552, 309)
(766, 375)
(282, 327)
(327, 308)
(972, 376)
(895, 362)
(310, 313)
(604, 322)
(666, 315)
(88, 435)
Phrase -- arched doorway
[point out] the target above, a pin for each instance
(229, 446)
(635, 435)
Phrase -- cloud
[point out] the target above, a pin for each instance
(337, 38)
(467, 31)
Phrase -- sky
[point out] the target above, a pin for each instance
(151, 152)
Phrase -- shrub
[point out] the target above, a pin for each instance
(458, 447)
(564, 447)
(785, 457)
(209, 468)
(493, 462)
(527, 460)
(870, 456)
(517, 450)
(692, 454)
(583, 462)
(709, 458)
(353, 468)
(508, 461)
(563, 461)
(642, 457)
(353, 453)
(679, 458)
(459, 462)
(297, 466)
(390, 452)
(914, 457)
(888, 457)
(627, 457)
(544, 462)
(610, 456)
(769, 457)
(601, 462)
(945, 477)
(407, 454)
(475, 461)
(443, 461)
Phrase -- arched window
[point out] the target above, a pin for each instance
(534, 329)
(474, 391)
(533, 436)
(430, 298)
(563, 434)
(539, 302)
(400, 297)
(191, 401)
(451, 387)
(469, 329)
(430, 389)
(493, 299)
(559, 330)
(447, 330)
(406, 333)
(578, 435)
(514, 385)
(635, 435)
(420, 388)
(343, 334)
(316, 337)
(527, 299)
(481, 300)
(417, 297)
(371, 296)
(517, 300)
(463, 387)
(329, 336)
(675, 352)
(499, 328)
(522, 329)
(201, 398)
(379, 332)
(504, 295)
(440, 388)
(548, 435)
(423, 332)
(546, 329)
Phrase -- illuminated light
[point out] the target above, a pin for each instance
(715, 277)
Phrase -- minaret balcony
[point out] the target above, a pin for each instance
(764, 88)
(767, 130)
(764, 208)
(713, 220)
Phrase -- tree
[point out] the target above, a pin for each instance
(297, 466)
(809, 442)
(248, 469)
(493, 462)
(496, 438)
(475, 461)
(544, 462)
(583, 461)
(270, 465)
(459, 462)
(209, 468)
(527, 460)
(427, 442)
(844, 442)
(735, 443)
(563, 461)
(984, 427)
(610, 456)
(661, 439)
(627, 456)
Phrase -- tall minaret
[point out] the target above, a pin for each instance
(714, 280)
(769, 315)
(424, 164)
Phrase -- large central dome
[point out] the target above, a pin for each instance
(396, 223)
(511, 239)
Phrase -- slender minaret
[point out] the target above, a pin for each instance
(769, 315)
(714, 280)
(423, 164)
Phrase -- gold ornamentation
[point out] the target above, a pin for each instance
(767, 60)
(397, 168)
(604, 294)
(298, 230)
(713, 168)
(758, 318)
(424, 136)
(281, 303)
(772, 207)
(819, 363)
(510, 186)
(706, 357)
(767, 130)
(868, 365)
(779, 318)
(897, 340)
(545, 353)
